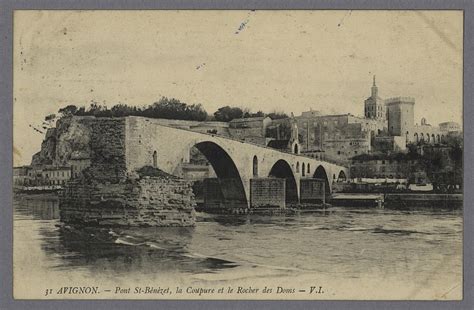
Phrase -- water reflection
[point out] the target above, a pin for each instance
(353, 242)
(39, 207)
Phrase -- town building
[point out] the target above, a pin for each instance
(428, 134)
(338, 136)
(388, 167)
(54, 175)
(387, 144)
(21, 175)
(41, 176)
(250, 129)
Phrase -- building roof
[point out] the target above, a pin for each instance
(278, 144)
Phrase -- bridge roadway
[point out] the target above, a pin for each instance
(147, 142)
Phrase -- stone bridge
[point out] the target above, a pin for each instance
(147, 142)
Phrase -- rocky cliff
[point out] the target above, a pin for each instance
(71, 135)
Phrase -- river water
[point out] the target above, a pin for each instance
(351, 253)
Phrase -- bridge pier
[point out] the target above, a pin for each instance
(264, 193)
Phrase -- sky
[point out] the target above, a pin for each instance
(288, 61)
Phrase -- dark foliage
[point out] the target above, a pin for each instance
(164, 108)
(226, 114)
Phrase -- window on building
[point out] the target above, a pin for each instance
(298, 166)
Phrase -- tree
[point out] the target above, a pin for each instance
(226, 114)
(68, 110)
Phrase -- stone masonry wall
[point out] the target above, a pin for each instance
(267, 192)
(149, 201)
(107, 142)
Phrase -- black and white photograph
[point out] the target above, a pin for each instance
(238, 154)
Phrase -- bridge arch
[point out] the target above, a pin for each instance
(281, 169)
(229, 177)
(320, 173)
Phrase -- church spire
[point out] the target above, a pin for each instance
(374, 89)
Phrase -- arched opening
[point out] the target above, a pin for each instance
(341, 177)
(296, 149)
(416, 137)
(428, 137)
(437, 139)
(320, 173)
(297, 167)
(309, 170)
(155, 159)
(281, 169)
(228, 175)
(303, 170)
(422, 138)
(433, 140)
(255, 166)
(442, 138)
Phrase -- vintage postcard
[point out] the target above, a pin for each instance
(288, 155)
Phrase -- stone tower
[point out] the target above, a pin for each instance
(400, 116)
(374, 106)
